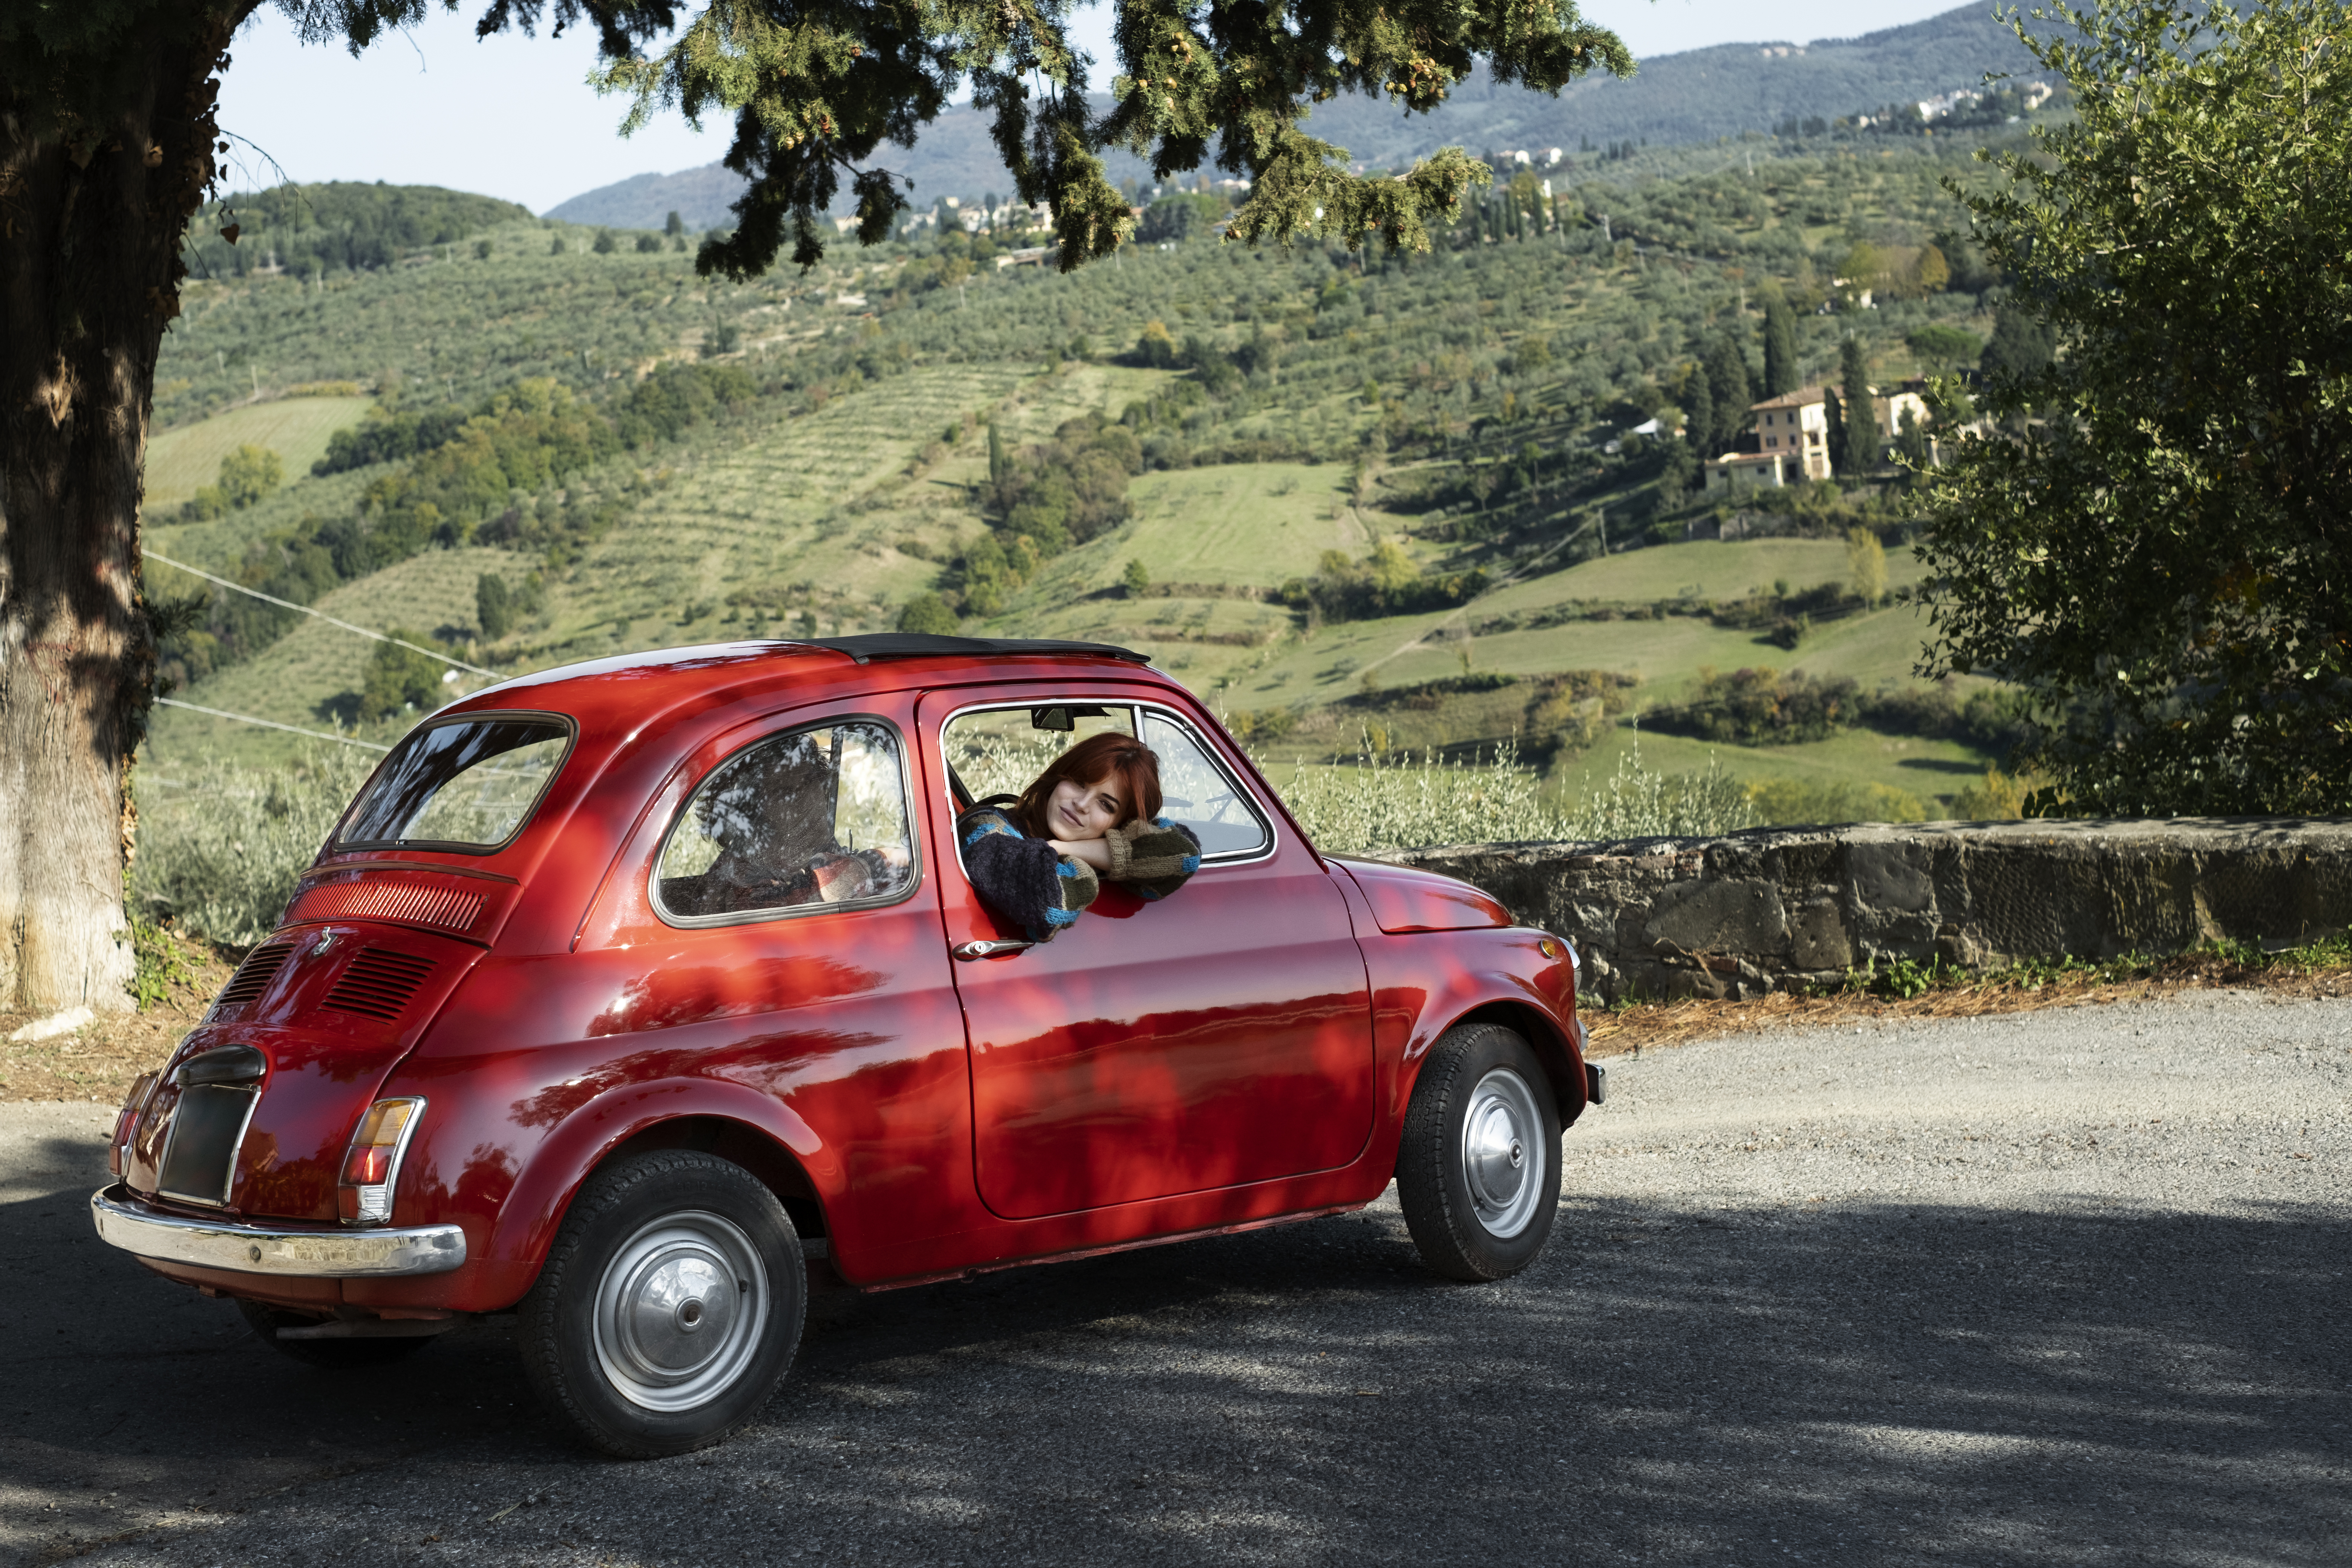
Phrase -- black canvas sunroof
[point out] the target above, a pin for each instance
(932, 645)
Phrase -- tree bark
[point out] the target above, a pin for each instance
(93, 203)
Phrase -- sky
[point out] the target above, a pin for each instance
(514, 117)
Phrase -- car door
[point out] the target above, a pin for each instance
(1219, 1037)
(773, 928)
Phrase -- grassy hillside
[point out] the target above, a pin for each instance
(1453, 416)
(296, 428)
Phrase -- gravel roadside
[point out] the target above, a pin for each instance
(2050, 1287)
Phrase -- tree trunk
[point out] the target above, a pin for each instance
(93, 202)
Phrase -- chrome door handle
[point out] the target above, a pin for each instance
(969, 950)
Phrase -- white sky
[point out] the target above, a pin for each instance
(514, 117)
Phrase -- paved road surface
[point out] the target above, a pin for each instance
(2064, 1288)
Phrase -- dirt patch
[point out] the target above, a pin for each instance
(99, 1061)
(1630, 1030)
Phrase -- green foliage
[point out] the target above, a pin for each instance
(1761, 707)
(1386, 582)
(1780, 373)
(250, 473)
(493, 606)
(247, 476)
(1858, 454)
(1066, 490)
(1179, 218)
(1865, 560)
(1135, 579)
(400, 680)
(1394, 803)
(2161, 558)
(816, 96)
(2020, 348)
(337, 227)
(927, 613)
(221, 846)
(1789, 802)
(387, 435)
(160, 964)
(1940, 344)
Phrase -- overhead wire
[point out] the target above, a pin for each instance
(270, 724)
(289, 604)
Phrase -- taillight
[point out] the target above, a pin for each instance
(126, 1121)
(372, 1166)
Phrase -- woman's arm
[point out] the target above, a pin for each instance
(1155, 858)
(1024, 878)
(1095, 852)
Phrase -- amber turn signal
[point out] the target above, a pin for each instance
(126, 1121)
(372, 1166)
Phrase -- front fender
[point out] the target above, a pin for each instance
(1429, 982)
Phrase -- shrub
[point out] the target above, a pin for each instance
(220, 849)
(1787, 801)
(1761, 708)
(927, 612)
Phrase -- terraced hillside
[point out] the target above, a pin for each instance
(1455, 417)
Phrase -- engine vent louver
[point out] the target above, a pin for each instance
(254, 976)
(378, 983)
(415, 903)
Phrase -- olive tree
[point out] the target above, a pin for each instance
(110, 142)
(2153, 540)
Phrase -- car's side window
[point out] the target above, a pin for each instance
(1196, 792)
(998, 751)
(813, 818)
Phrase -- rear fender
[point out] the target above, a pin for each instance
(660, 1113)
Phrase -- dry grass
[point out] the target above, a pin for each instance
(1632, 1030)
(99, 1061)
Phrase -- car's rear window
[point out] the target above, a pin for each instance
(465, 784)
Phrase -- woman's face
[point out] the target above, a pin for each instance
(1075, 811)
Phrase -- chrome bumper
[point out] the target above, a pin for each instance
(123, 1221)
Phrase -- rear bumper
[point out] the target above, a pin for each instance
(123, 1221)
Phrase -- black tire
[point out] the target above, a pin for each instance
(334, 1354)
(1478, 1171)
(622, 1335)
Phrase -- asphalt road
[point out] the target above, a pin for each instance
(2061, 1288)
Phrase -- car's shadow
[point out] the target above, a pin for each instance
(1872, 1383)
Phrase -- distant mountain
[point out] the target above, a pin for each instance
(1694, 96)
(954, 158)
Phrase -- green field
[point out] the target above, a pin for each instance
(296, 428)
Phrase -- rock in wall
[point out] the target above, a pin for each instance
(1744, 914)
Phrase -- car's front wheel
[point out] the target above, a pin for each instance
(669, 1306)
(1478, 1171)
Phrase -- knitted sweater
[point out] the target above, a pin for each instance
(1025, 881)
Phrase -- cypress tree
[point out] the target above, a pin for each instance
(996, 464)
(1861, 454)
(1727, 381)
(1779, 348)
(1699, 410)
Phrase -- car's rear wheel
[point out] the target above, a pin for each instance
(669, 1306)
(266, 1321)
(1478, 1171)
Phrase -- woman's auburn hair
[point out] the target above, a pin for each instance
(1090, 762)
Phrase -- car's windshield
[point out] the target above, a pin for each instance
(468, 784)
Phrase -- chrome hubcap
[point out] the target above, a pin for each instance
(680, 1312)
(1502, 1153)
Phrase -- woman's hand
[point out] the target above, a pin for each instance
(1093, 851)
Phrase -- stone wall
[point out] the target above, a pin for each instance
(1743, 914)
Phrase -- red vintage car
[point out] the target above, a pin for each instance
(537, 1035)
